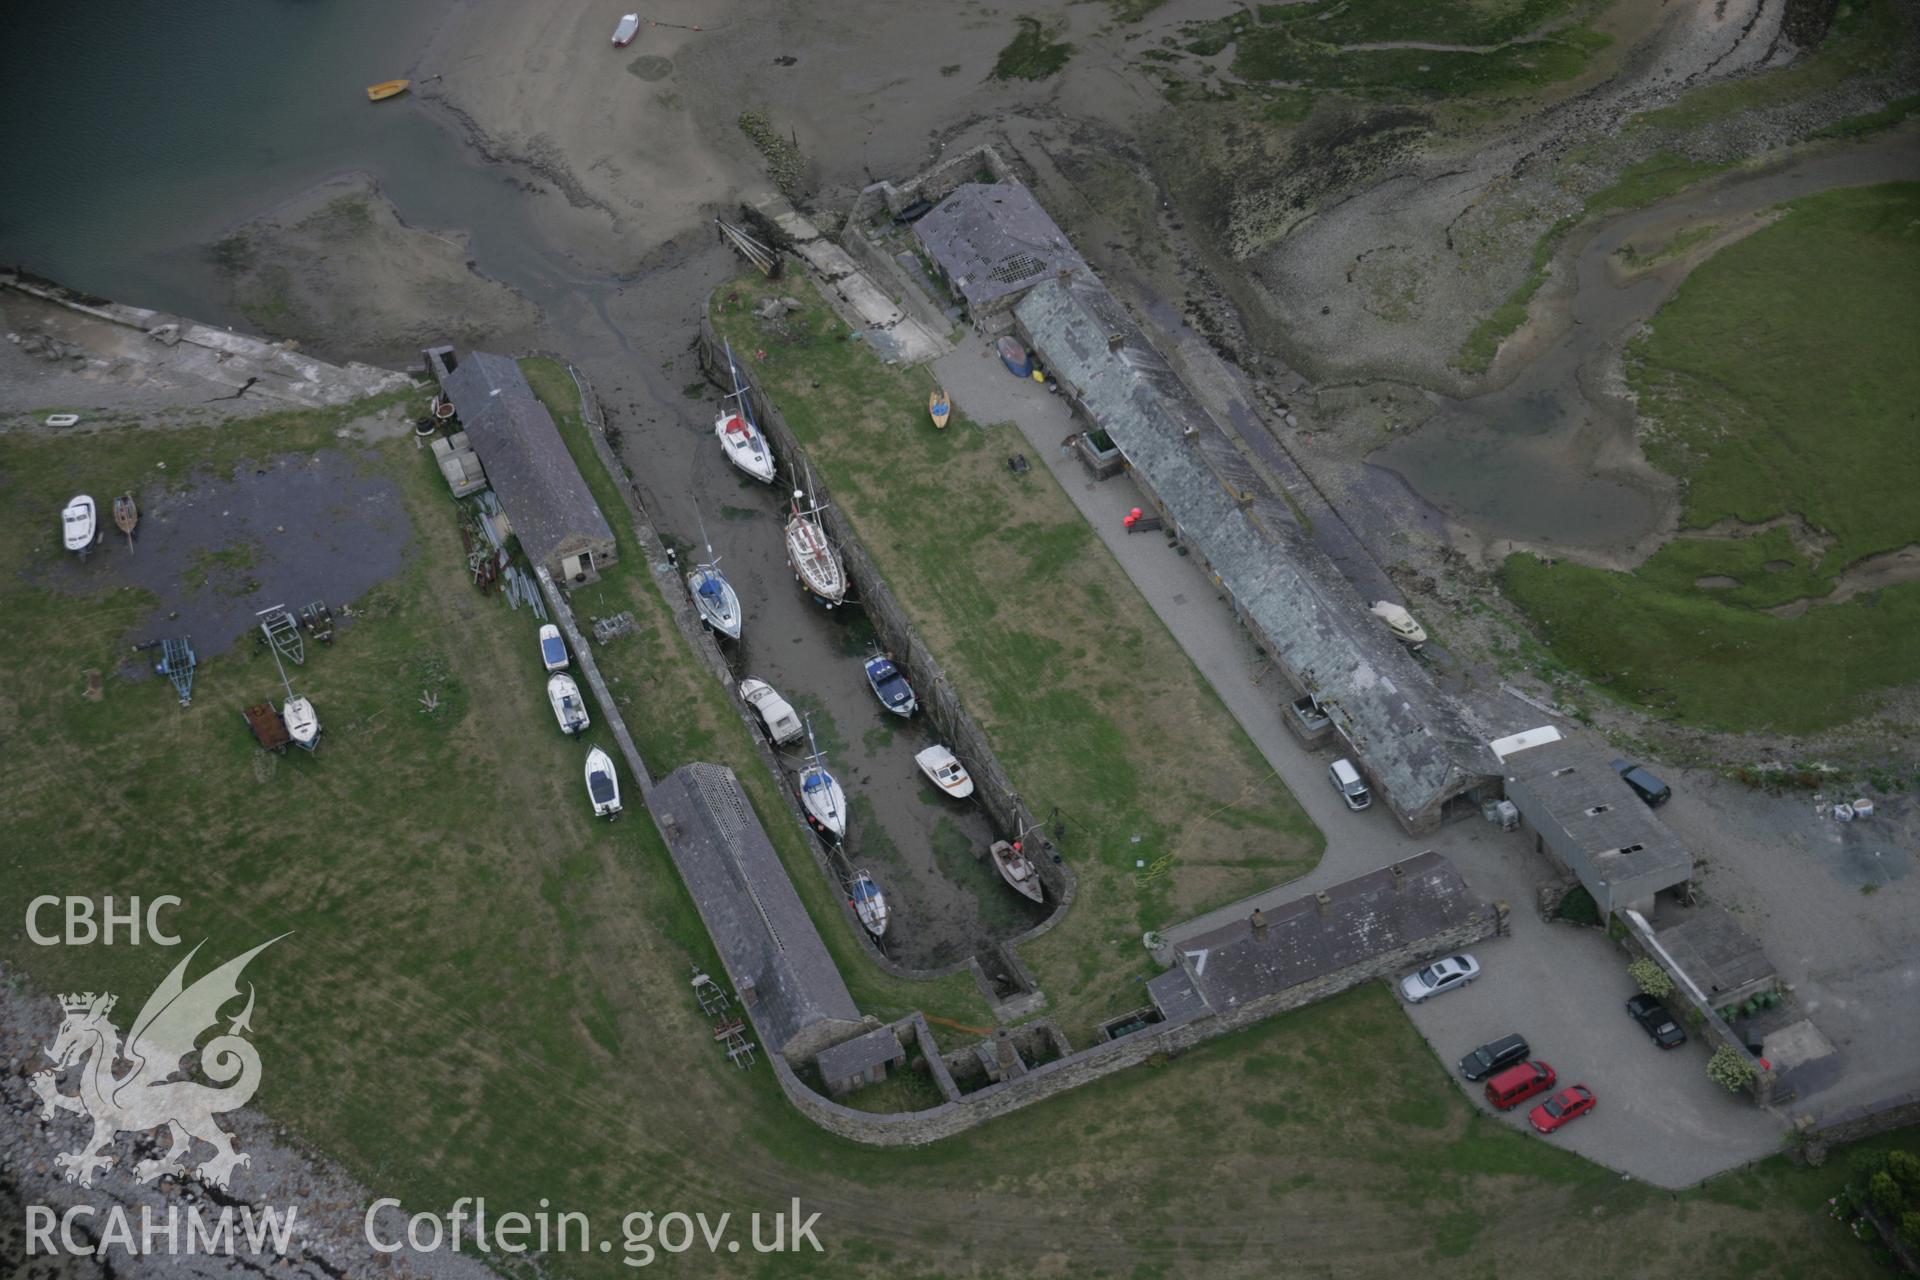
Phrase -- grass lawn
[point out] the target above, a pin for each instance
(1780, 380)
(1090, 703)
(485, 992)
(1505, 47)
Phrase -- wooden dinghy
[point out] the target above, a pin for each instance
(386, 89)
(938, 407)
(126, 515)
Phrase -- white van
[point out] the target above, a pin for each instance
(1346, 780)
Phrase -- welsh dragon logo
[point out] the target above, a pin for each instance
(147, 1095)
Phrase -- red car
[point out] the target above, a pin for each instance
(1566, 1105)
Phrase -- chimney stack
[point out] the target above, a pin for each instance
(1321, 901)
(1259, 922)
(1115, 341)
(1399, 877)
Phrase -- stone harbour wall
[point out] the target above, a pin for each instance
(913, 1128)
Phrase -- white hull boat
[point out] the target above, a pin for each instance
(302, 721)
(746, 448)
(821, 795)
(824, 800)
(1017, 869)
(78, 522)
(625, 30)
(603, 785)
(717, 601)
(812, 556)
(888, 685)
(553, 649)
(870, 904)
(568, 708)
(776, 713)
(945, 771)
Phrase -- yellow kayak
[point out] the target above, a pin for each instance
(386, 89)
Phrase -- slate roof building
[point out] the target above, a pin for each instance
(779, 967)
(1415, 750)
(1580, 811)
(1413, 907)
(542, 491)
(991, 242)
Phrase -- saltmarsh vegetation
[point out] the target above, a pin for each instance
(1780, 384)
(1167, 807)
(1032, 54)
(484, 993)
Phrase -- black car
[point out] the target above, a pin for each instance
(1644, 784)
(1656, 1022)
(1492, 1056)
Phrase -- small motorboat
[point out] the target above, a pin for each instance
(386, 89)
(78, 521)
(821, 795)
(126, 516)
(1403, 624)
(888, 685)
(776, 714)
(603, 785)
(715, 598)
(938, 407)
(869, 903)
(1014, 356)
(1017, 869)
(625, 30)
(568, 708)
(302, 721)
(553, 649)
(739, 434)
(812, 555)
(945, 771)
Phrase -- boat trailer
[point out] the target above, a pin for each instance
(176, 663)
(728, 1028)
(282, 632)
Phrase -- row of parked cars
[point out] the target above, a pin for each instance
(1511, 1074)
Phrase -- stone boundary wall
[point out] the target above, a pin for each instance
(280, 371)
(913, 1128)
(1864, 1121)
(936, 693)
(932, 184)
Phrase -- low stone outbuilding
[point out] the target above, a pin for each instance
(547, 502)
(773, 955)
(1414, 749)
(863, 1060)
(991, 242)
(1580, 811)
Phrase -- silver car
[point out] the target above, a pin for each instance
(1442, 975)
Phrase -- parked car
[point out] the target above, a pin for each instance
(1442, 975)
(1515, 1085)
(1644, 784)
(1493, 1056)
(1562, 1108)
(1346, 780)
(1656, 1021)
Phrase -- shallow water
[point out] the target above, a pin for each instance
(1550, 457)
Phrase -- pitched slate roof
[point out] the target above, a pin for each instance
(1365, 917)
(993, 239)
(526, 461)
(773, 954)
(1411, 743)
